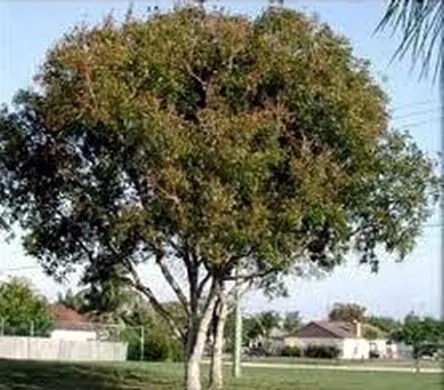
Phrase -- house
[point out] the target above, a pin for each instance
(347, 337)
(71, 325)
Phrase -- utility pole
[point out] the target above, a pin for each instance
(237, 328)
(441, 87)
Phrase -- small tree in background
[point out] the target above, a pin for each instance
(292, 321)
(386, 324)
(424, 335)
(347, 312)
(21, 309)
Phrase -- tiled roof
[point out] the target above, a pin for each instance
(63, 313)
(68, 319)
(339, 328)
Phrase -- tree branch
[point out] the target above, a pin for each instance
(147, 292)
(171, 280)
(137, 284)
(252, 276)
(195, 76)
(203, 283)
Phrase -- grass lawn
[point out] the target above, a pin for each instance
(164, 376)
(342, 362)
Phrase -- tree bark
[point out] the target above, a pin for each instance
(216, 374)
(192, 374)
(196, 337)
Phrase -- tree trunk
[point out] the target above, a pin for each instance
(216, 374)
(417, 365)
(192, 376)
(417, 356)
(196, 337)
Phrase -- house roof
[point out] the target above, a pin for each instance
(62, 313)
(337, 329)
(69, 319)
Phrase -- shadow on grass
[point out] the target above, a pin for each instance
(51, 376)
(35, 375)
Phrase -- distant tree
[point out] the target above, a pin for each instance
(268, 321)
(292, 321)
(387, 324)
(370, 333)
(71, 300)
(22, 308)
(250, 330)
(159, 345)
(107, 299)
(422, 334)
(347, 312)
(253, 328)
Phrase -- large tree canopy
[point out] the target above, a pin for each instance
(201, 141)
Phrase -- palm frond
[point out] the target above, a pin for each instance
(421, 23)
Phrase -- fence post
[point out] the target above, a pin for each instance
(118, 334)
(142, 342)
(32, 329)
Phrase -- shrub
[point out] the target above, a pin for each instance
(157, 346)
(176, 351)
(322, 352)
(289, 351)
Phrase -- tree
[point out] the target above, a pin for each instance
(22, 309)
(421, 24)
(370, 333)
(72, 301)
(347, 312)
(158, 344)
(204, 142)
(292, 321)
(105, 301)
(268, 321)
(251, 330)
(421, 333)
(387, 324)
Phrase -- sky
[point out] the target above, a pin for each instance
(28, 29)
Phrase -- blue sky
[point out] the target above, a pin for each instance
(28, 29)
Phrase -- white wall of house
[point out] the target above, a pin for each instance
(305, 342)
(354, 348)
(290, 341)
(351, 348)
(387, 351)
(73, 335)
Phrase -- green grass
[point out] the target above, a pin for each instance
(343, 362)
(132, 376)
